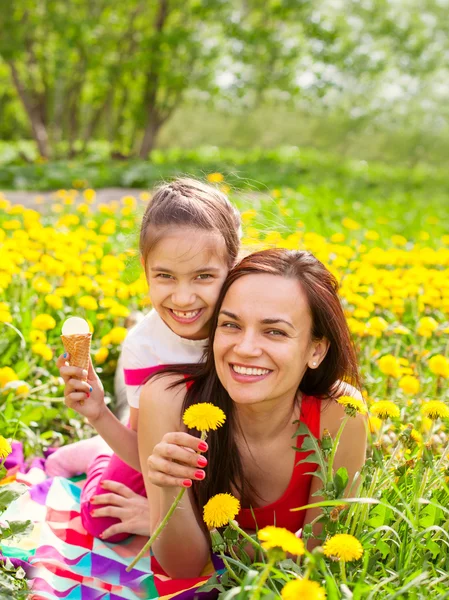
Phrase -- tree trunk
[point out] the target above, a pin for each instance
(33, 112)
(149, 137)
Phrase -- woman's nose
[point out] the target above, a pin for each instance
(248, 345)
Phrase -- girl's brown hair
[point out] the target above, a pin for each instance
(187, 202)
(339, 365)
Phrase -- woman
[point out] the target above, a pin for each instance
(279, 353)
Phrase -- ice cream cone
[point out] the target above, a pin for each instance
(78, 347)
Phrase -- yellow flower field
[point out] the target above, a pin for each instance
(76, 257)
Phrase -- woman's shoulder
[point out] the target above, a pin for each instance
(333, 412)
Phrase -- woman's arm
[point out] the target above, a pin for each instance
(351, 453)
(168, 457)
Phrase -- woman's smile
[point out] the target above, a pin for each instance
(248, 373)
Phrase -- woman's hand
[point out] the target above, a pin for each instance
(175, 462)
(83, 389)
(124, 504)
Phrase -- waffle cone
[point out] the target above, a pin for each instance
(78, 346)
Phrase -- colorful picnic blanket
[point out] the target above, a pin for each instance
(66, 562)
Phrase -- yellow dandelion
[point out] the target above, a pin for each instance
(352, 405)
(385, 409)
(215, 177)
(439, 365)
(389, 365)
(5, 447)
(435, 409)
(220, 509)
(374, 424)
(409, 384)
(203, 416)
(278, 537)
(43, 322)
(343, 546)
(303, 589)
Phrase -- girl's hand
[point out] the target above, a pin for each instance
(83, 389)
(124, 504)
(175, 462)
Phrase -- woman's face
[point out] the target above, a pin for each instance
(263, 343)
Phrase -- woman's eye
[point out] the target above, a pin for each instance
(276, 332)
(229, 325)
(164, 276)
(205, 276)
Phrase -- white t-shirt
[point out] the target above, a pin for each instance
(150, 344)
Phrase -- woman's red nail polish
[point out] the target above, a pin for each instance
(187, 483)
(200, 474)
(202, 446)
(202, 461)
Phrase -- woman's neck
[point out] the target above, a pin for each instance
(264, 421)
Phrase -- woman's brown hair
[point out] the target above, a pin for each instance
(186, 202)
(225, 471)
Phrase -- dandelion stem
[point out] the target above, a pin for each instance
(264, 576)
(343, 571)
(230, 569)
(330, 464)
(247, 537)
(163, 523)
(160, 527)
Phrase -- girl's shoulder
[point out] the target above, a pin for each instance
(164, 393)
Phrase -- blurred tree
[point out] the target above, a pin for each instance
(79, 65)
(85, 70)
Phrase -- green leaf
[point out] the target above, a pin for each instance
(341, 479)
(16, 528)
(310, 443)
(9, 493)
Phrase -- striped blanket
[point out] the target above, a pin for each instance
(66, 562)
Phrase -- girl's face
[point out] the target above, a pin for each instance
(186, 270)
(263, 344)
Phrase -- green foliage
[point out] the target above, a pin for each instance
(75, 71)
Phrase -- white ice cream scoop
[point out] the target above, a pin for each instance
(75, 326)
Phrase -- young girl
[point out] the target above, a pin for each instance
(189, 240)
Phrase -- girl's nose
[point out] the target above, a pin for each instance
(183, 297)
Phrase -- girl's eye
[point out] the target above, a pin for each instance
(164, 276)
(204, 276)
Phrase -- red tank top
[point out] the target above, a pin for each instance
(297, 493)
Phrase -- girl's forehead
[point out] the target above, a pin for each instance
(185, 245)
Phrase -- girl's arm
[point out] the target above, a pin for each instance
(351, 454)
(168, 458)
(84, 393)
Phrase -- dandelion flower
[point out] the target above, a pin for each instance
(409, 384)
(5, 447)
(435, 409)
(220, 509)
(352, 405)
(389, 365)
(278, 537)
(385, 409)
(303, 589)
(343, 546)
(374, 424)
(439, 365)
(203, 416)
